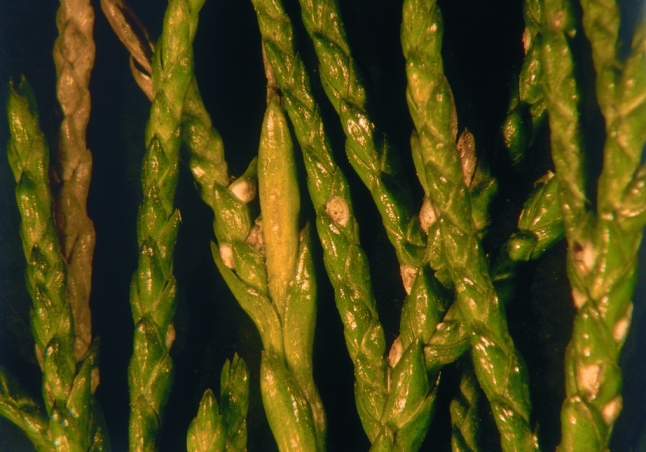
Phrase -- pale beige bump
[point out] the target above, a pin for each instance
(584, 256)
(611, 410)
(256, 238)
(408, 273)
(170, 335)
(587, 378)
(338, 210)
(427, 216)
(578, 298)
(395, 353)
(226, 253)
(244, 190)
(467, 147)
(620, 330)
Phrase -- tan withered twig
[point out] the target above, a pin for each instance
(74, 53)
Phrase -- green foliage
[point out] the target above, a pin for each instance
(498, 365)
(74, 422)
(602, 245)
(460, 243)
(153, 290)
(223, 429)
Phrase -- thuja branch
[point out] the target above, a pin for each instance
(153, 289)
(498, 365)
(336, 223)
(602, 242)
(74, 420)
(370, 153)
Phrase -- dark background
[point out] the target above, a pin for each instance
(482, 49)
